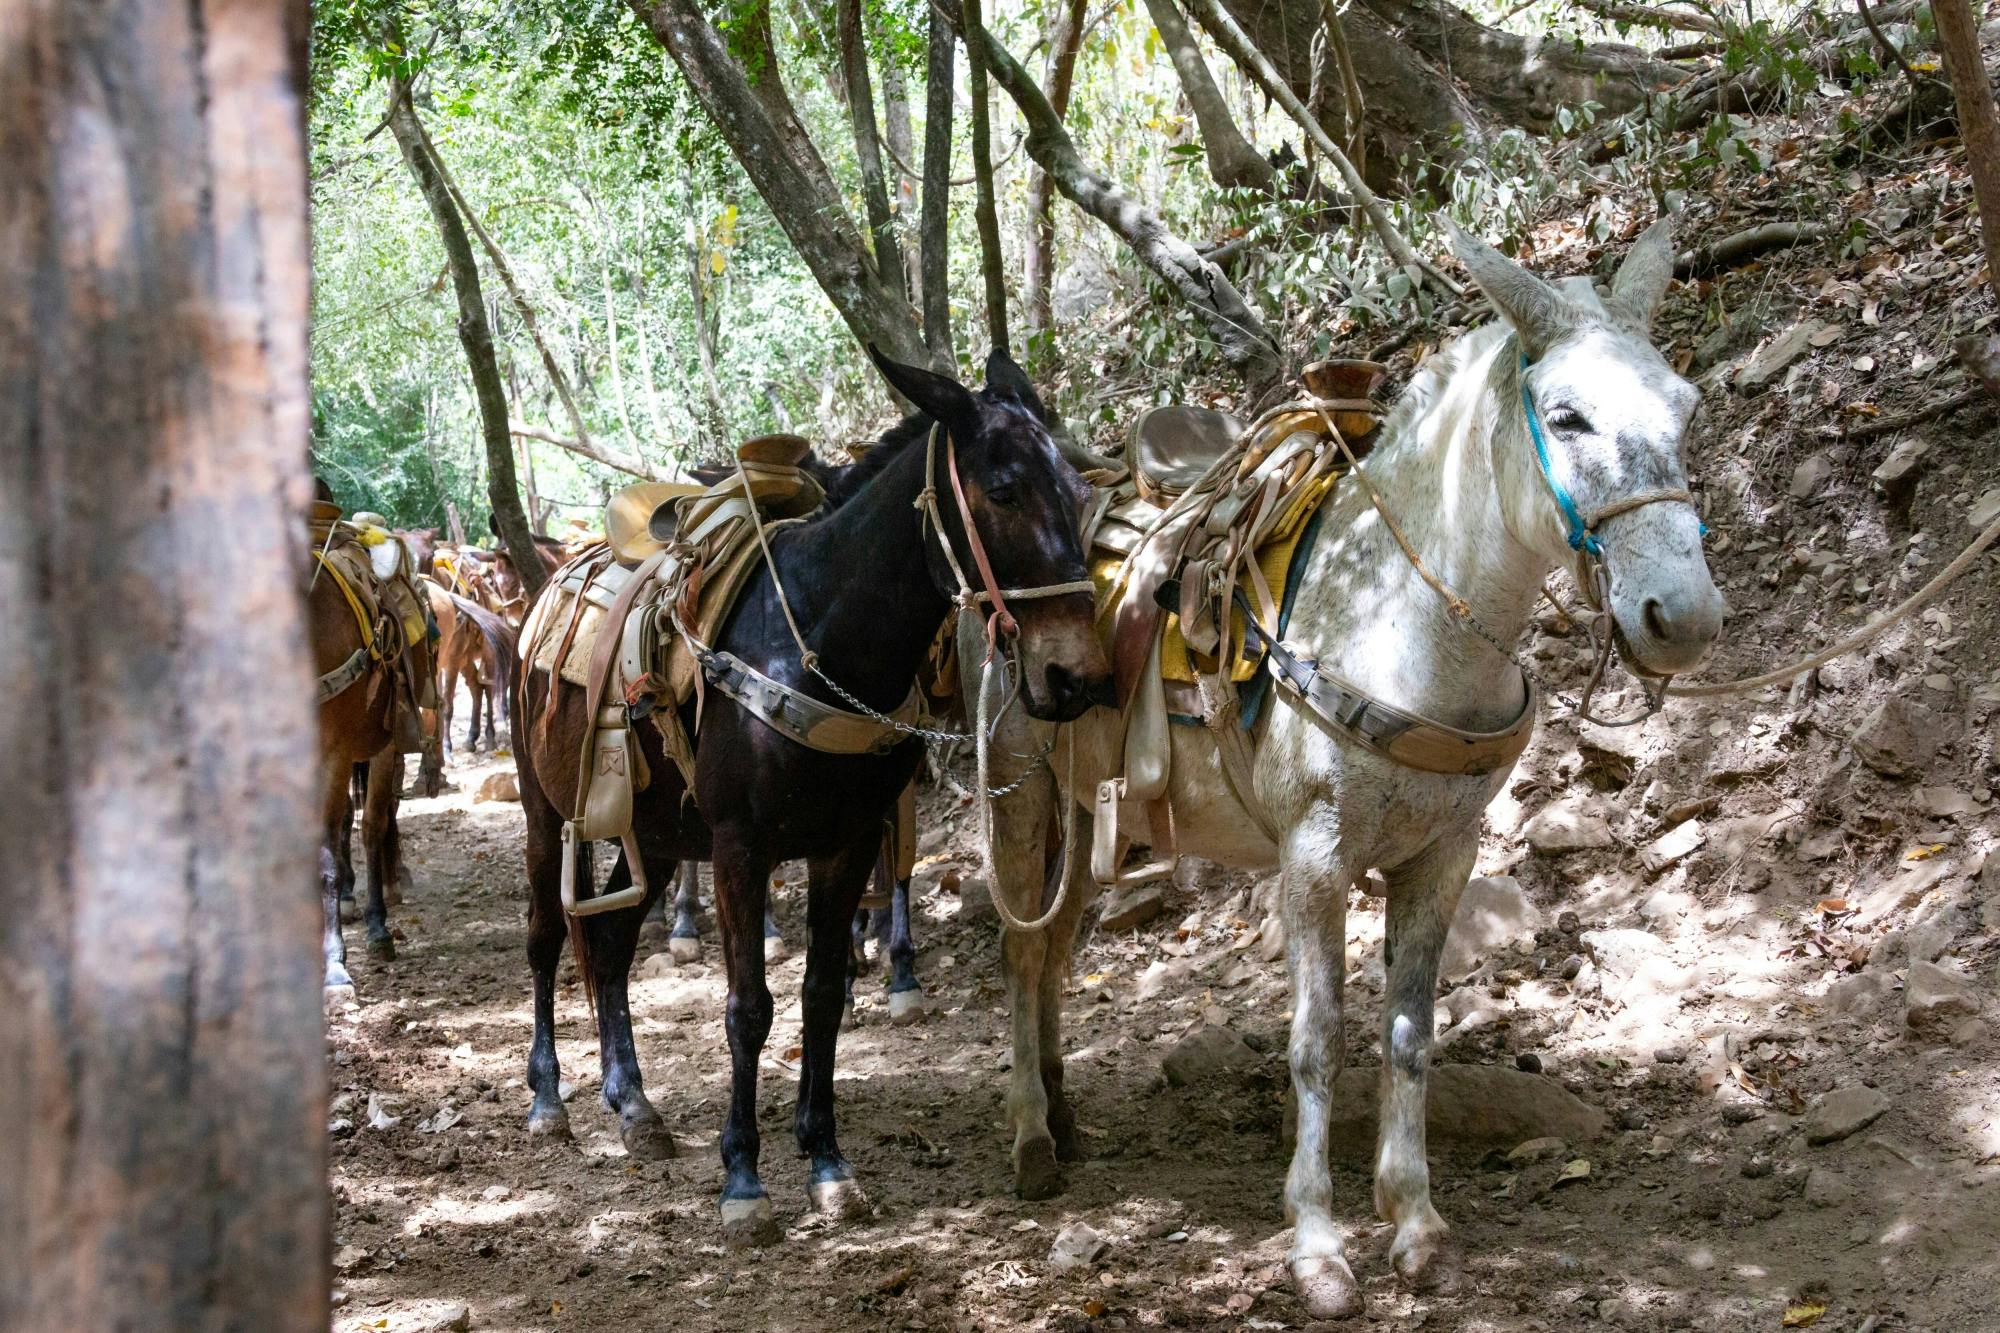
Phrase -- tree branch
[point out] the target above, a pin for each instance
(589, 448)
(1623, 11)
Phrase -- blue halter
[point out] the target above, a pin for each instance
(1580, 536)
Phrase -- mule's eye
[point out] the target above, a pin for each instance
(1007, 496)
(1569, 421)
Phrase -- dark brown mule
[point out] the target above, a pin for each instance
(869, 586)
(477, 646)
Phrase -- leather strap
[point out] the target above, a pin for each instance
(603, 651)
(336, 681)
(1001, 621)
(798, 716)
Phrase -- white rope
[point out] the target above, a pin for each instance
(1063, 793)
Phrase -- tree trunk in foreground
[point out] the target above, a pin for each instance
(1233, 162)
(1238, 331)
(986, 209)
(933, 238)
(1058, 73)
(503, 491)
(809, 211)
(1958, 36)
(164, 1161)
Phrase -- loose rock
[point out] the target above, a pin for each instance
(1204, 1053)
(975, 900)
(1936, 1000)
(1898, 739)
(1567, 826)
(1493, 914)
(1842, 1112)
(1128, 911)
(1078, 1245)
(500, 786)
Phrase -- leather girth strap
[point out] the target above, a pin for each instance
(1400, 736)
(798, 716)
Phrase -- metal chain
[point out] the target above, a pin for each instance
(906, 728)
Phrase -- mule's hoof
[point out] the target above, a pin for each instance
(1036, 1174)
(841, 1200)
(399, 886)
(1069, 1147)
(339, 994)
(648, 1139)
(1427, 1261)
(906, 1008)
(684, 948)
(382, 950)
(775, 949)
(848, 1020)
(748, 1222)
(1327, 1286)
(549, 1125)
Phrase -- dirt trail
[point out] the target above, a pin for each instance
(1744, 926)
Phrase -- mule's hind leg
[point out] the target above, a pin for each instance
(613, 938)
(1316, 880)
(742, 888)
(835, 892)
(684, 943)
(1423, 896)
(906, 995)
(335, 817)
(378, 844)
(547, 931)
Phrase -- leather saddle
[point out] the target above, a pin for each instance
(644, 518)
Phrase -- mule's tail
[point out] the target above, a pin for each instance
(501, 639)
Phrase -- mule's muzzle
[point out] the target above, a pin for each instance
(1071, 694)
(1064, 668)
(1671, 630)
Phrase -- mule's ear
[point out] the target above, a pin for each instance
(1642, 279)
(1005, 377)
(938, 397)
(1538, 312)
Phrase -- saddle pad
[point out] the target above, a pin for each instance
(1274, 562)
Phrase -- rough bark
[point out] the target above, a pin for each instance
(1431, 72)
(809, 210)
(1958, 36)
(933, 238)
(756, 53)
(164, 1159)
(1065, 36)
(1238, 331)
(898, 138)
(986, 210)
(475, 335)
(1233, 162)
(1253, 62)
(867, 142)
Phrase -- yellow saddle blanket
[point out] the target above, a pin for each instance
(1271, 568)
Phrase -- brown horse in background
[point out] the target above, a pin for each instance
(477, 646)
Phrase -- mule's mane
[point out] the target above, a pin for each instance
(1429, 383)
(846, 482)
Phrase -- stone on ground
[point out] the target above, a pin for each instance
(500, 786)
(1207, 1052)
(656, 965)
(975, 900)
(1078, 1245)
(1470, 1110)
(1493, 915)
(1567, 826)
(1898, 739)
(1936, 1000)
(1134, 908)
(1842, 1112)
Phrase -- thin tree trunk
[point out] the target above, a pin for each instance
(164, 1161)
(986, 211)
(716, 428)
(1233, 163)
(1058, 73)
(454, 524)
(934, 243)
(1958, 38)
(522, 310)
(896, 129)
(867, 141)
(503, 492)
(591, 449)
(804, 204)
(1238, 331)
(639, 323)
(1252, 62)
(1353, 103)
(755, 52)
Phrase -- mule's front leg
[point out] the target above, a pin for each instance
(834, 894)
(613, 938)
(742, 887)
(1423, 895)
(1315, 882)
(378, 845)
(906, 996)
(547, 932)
(339, 985)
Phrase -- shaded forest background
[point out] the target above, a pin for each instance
(683, 218)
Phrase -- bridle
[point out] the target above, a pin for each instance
(1593, 575)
